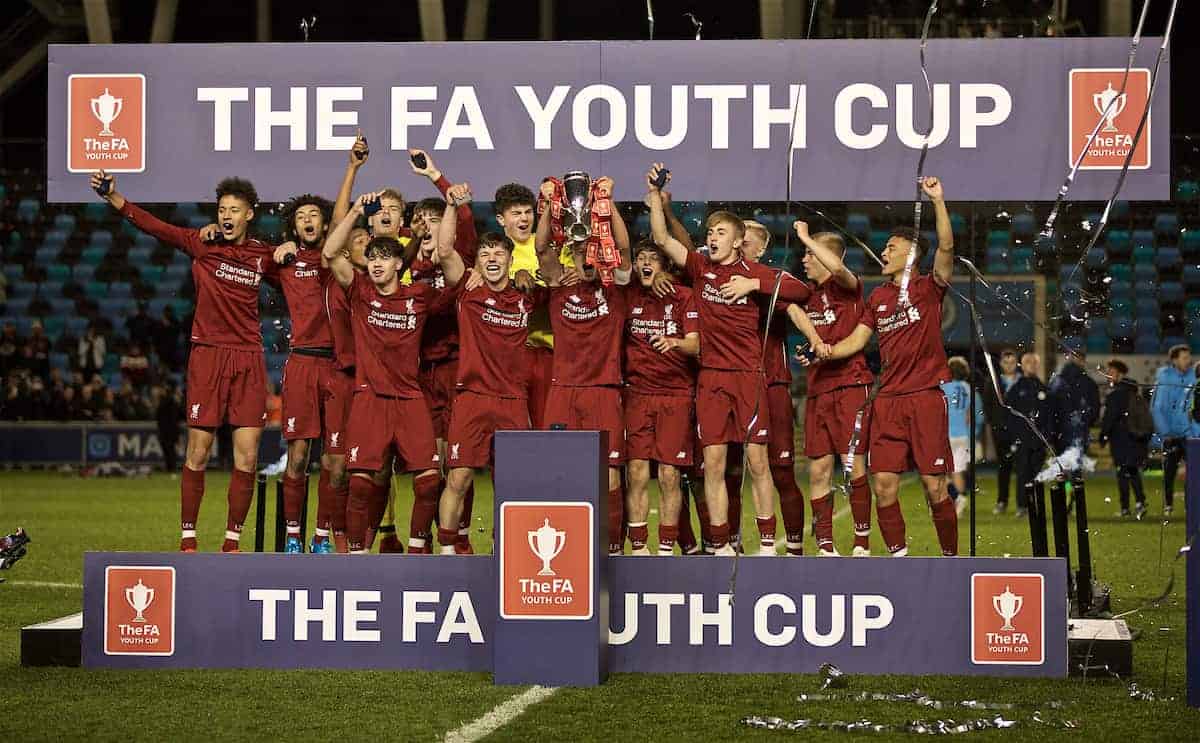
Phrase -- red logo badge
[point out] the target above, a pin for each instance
(1008, 619)
(106, 123)
(139, 610)
(1096, 98)
(547, 560)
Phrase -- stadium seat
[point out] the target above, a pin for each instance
(1022, 260)
(62, 306)
(997, 260)
(958, 223)
(1172, 340)
(1120, 307)
(185, 210)
(1168, 259)
(1187, 191)
(269, 225)
(1144, 272)
(140, 256)
(22, 290)
(14, 272)
(82, 273)
(1191, 278)
(1120, 272)
(60, 361)
(1143, 254)
(858, 224)
(77, 325)
(58, 272)
(120, 290)
(101, 238)
(1118, 243)
(998, 238)
(1146, 343)
(879, 239)
(95, 289)
(1189, 244)
(1098, 342)
(93, 255)
(1120, 326)
(1166, 225)
(47, 254)
(1119, 212)
(182, 307)
(1096, 258)
(1143, 238)
(196, 221)
(64, 221)
(49, 289)
(1146, 308)
(855, 259)
(97, 211)
(1170, 292)
(175, 272)
(1023, 225)
(28, 210)
(113, 308)
(150, 273)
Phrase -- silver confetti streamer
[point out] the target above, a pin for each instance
(912, 252)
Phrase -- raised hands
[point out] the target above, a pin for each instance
(359, 151)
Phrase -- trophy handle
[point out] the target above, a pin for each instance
(118, 108)
(532, 546)
(560, 541)
(95, 104)
(996, 605)
(1020, 603)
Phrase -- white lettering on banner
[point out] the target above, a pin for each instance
(463, 101)
(138, 446)
(294, 118)
(413, 616)
(402, 118)
(465, 119)
(326, 614)
(762, 631)
(269, 598)
(542, 116)
(352, 615)
(581, 117)
(663, 603)
(860, 622)
(328, 118)
(222, 100)
(837, 620)
(460, 620)
(722, 619)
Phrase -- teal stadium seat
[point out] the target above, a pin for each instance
(97, 211)
(93, 255)
(1187, 191)
(998, 238)
(1189, 244)
(1143, 254)
(58, 272)
(64, 221)
(1118, 243)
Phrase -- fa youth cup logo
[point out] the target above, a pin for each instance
(546, 543)
(1109, 104)
(107, 108)
(1007, 605)
(139, 597)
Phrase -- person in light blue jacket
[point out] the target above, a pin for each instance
(1170, 403)
(958, 407)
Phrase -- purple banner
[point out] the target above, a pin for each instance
(962, 616)
(1009, 116)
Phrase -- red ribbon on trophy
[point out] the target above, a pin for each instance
(600, 247)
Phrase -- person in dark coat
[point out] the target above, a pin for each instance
(168, 415)
(998, 419)
(1129, 450)
(1030, 397)
(1077, 403)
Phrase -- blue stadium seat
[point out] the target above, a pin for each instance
(50, 289)
(1120, 307)
(269, 226)
(19, 308)
(1187, 191)
(1122, 271)
(97, 211)
(1146, 343)
(151, 274)
(142, 240)
(997, 260)
(95, 289)
(1118, 243)
(1120, 211)
(1143, 272)
(182, 307)
(1170, 292)
(156, 306)
(120, 290)
(1098, 342)
(196, 221)
(1172, 340)
(1022, 260)
(176, 272)
(101, 238)
(1142, 238)
(1120, 326)
(55, 237)
(114, 309)
(58, 272)
(1146, 308)
(93, 255)
(77, 325)
(1191, 278)
(62, 306)
(1096, 258)
(13, 272)
(858, 224)
(64, 221)
(958, 223)
(879, 239)
(47, 254)
(139, 257)
(1189, 243)
(1168, 259)
(186, 209)
(28, 210)
(1120, 290)
(60, 361)
(998, 238)
(1023, 225)
(1166, 224)
(82, 273)
(1143, 254)
(855, 259)
(22, 290)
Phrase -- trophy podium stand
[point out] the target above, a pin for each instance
(551, 558)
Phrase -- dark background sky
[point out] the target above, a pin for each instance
(23, 111)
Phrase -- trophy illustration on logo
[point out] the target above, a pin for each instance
(1007, 605)
(139, 598)
(106, 108)
(546, 542)
(1101, 102)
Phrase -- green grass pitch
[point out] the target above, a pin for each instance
(66, 515)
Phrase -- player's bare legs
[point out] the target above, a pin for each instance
(820, 483)
(887, 508)
(715, 496)
(458, 480)
(945, 517)
(765, 499)
(637, 504)
(241, 483)
(670, 503)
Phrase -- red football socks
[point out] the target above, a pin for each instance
(358, 512)
(241, 492)
(766, 532)
(860, 509)
(191, 492)
(325, 506)
(720, 535)
(733, 488)
(945, 521)
(616, 519)
(464, 518)
(639, 534)
(791, 502)
(891, 527)
(822, 509)
(293, 503)
(426, 489)
(685, 535)
(667, 535)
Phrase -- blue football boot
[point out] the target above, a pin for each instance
(294, 546)
(321, 548)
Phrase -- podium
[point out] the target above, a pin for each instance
(551, 558)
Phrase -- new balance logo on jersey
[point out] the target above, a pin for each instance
(761, 432)
(454, 451)
(291, 425)
(490, 302)
(376, 303)
(939, 462)
(710, 275)
(614, 455)
(636, 311)
(333, 439)
(354, 454)
(196, 411)
(785, 454)
(681, 455)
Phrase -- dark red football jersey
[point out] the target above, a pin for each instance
(910, 338)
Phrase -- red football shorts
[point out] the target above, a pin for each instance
(781, 434)
(731, 405)
(437, 380)
(226, 385)
(909, 432)
(829, 422)
(660, 427)
(474, 420)
(310, 386)
(541, 372)
(590, 409)
(337, 411)
(382, 424)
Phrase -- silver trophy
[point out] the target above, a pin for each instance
(1102, 100)
(577, 217)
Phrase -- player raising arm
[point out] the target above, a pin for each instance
(226, 376)
(731, 393)
(389, 414)
(909, 421)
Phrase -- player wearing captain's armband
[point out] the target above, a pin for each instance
(731, 403)
(389, 417)
(226, 376)
(909, 421)
(837, 390)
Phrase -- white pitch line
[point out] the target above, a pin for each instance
(499, 716)
(43, 584)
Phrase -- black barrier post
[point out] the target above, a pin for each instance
(971, 433)
(304, 513)
(260, 513)
(1083, 579)
(1036, 497)
(1062, 538)
(280, 524)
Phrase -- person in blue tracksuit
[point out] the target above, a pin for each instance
(958, 408)
(1170, 403)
